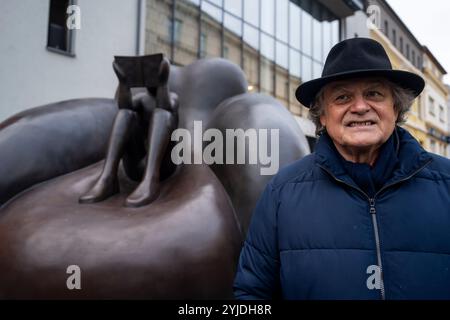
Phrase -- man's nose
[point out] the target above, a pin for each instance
(359, 105)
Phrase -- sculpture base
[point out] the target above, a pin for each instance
(184, 245)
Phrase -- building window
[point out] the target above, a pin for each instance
(433, 146)
(431, 105)
(213, 8)
(437, 73)
(251, 12)
(268, 16)
(401, 45)
(414, 57)
(226, 52)
(175, 30)
(251, 36)
(407, 51)
(279, 44)
(394, 37)
(234, 7)
(306, 35)
(202, 49)
(441, 114)
(282, 20)
(60, 38)
(233, 24)
(386, 28)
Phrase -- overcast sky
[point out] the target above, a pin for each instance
(429, 21)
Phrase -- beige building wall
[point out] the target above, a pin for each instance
(157, 36)
(415, 122)
(264, 59)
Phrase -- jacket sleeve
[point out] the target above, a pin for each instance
(257, 274)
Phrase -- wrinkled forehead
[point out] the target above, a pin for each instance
(356, 83)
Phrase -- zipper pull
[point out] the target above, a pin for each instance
(372, 206)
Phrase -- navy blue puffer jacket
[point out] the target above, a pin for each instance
(315, 235)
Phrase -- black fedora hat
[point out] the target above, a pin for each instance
(357, 57)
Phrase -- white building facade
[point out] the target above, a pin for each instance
(44, 60)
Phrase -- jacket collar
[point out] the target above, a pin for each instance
(411, 157)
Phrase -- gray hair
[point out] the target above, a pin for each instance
(403, 99)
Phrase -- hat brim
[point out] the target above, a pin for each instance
(307, 91)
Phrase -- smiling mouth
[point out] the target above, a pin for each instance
(360, 124)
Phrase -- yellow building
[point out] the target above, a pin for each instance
(435, 99)
(415, 123)
(428, 120)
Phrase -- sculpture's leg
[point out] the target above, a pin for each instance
(133, 159)
(164, 98)
(160, 128)
(107, 184)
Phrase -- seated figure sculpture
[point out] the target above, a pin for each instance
(141, 130)
(183, 245)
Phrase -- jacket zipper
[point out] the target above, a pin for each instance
(373, 212)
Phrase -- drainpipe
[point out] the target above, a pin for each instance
(140, 28)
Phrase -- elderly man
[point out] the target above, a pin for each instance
(367, 215)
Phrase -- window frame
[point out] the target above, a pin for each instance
(70, 33)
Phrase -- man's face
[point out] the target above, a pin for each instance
(359, 113)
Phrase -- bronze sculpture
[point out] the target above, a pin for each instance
(150, 114)
(183, 245)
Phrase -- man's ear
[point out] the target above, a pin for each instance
(323, 120)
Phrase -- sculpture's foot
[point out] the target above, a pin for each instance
(144, 194)
(101, 190)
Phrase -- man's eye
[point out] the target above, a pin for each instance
(343, 98)
(374, 94)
